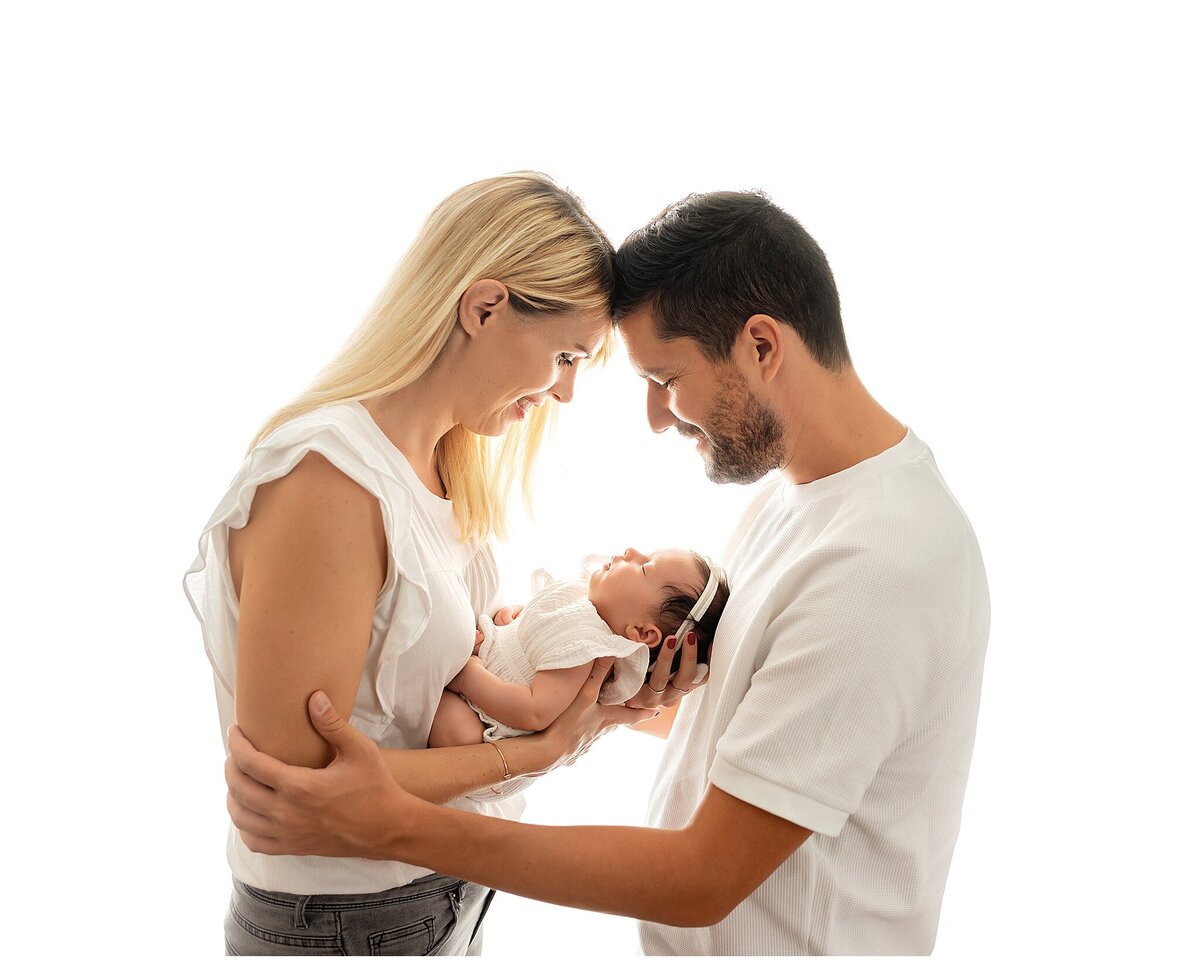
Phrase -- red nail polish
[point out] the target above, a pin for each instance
(691, 637)
(671, 644)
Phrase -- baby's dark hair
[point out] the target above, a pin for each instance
(677, 605)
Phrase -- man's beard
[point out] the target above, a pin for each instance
(744, 441)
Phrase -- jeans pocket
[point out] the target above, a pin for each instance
(412, 938)
(258, 923)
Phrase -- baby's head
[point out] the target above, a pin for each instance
(647, 597)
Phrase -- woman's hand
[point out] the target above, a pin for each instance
(585, 720)
(349, 808)
(664, 690)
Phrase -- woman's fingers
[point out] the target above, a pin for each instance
(661, 674)
(683, 680)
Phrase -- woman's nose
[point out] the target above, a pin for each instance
(564, 388)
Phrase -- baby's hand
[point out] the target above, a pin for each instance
(474, 663)
(508, 614)
(478, 641)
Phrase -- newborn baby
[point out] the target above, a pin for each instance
(527, 673)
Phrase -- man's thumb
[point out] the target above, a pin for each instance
(329, 724)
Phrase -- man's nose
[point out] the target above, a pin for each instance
(657, 413)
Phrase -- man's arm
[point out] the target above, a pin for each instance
(354, 808)
(725, 852)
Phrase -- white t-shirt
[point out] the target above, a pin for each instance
(421, 636)
(844, 692)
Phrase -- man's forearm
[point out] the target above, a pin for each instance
(598, 868)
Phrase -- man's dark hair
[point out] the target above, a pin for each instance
(710, 261)
(676, 605)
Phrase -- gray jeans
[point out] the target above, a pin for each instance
(435, 915)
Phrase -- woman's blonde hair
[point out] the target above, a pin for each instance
(521, 229)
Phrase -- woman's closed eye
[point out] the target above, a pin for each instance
(566, 359)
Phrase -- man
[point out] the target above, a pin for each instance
(809, 798)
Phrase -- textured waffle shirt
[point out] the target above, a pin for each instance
(843, 697)
(422, 633)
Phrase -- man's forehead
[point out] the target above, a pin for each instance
(648, 353)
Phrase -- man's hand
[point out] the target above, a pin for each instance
(347, 808)
(665, 690)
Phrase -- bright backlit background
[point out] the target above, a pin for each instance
(199, 201)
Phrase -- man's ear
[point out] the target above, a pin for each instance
(648, 635)
(760, 345)
(479, 304)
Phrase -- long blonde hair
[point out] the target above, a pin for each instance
(521, 229)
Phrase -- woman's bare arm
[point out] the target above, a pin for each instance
(307, 568)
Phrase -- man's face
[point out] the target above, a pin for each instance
(739, 437)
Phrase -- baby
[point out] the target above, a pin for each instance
(527, 673)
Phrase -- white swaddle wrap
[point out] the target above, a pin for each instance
(559, 628)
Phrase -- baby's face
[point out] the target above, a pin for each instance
(628, 590)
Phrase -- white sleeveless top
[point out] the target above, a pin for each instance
(422, 634)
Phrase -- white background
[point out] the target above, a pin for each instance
(200, 200)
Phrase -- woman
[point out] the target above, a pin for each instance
(351, 552)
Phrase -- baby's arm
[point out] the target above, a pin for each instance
(531, 707)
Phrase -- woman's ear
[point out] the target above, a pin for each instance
(479, 304)
(648, 635)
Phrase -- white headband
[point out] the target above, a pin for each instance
(706, 596)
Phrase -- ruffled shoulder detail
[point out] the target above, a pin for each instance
(336, 433)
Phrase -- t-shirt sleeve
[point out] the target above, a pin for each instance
(841, 679)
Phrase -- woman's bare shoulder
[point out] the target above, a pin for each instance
(316, 510)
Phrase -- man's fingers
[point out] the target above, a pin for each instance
(249, 761)
(330, 724)
(246, 819)
(246, 790)
(263, 844)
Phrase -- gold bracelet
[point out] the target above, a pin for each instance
(507, 773)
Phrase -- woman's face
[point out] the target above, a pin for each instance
(530, 361)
